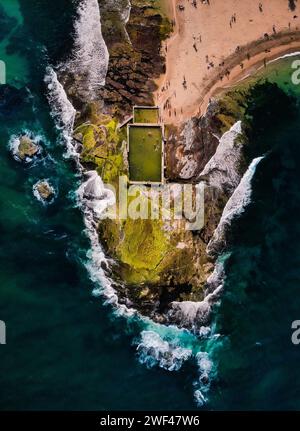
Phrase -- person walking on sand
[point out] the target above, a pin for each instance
(260, 6)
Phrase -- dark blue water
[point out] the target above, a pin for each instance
(65, 349)
(258, 363)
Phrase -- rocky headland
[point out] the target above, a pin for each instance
(157, 263)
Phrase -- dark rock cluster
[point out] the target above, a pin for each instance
(135, 57)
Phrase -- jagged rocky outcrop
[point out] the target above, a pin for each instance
(43, 191)
(27, 149)
(135, 52)
(190, 148)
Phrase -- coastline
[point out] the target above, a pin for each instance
(230, 63)
(237, 75)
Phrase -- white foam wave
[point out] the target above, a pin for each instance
(205, 367)
(62, 110)
(221, 170)
(152, 351)
(196, 315)
(94, 199)
(90, 54)
(235, 206)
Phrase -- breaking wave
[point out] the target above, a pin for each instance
(196, 315)
(90, 54)
(235, 206)
(62, 110)
(93, 199)
(154, 351)
(202, 385)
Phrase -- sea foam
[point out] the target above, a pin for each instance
(153, 351)
(62, 110)
(94, 198)
(235, 206)
(90, 54)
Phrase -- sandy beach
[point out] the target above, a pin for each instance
(217, 43)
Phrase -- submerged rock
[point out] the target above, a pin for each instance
(43, 191)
